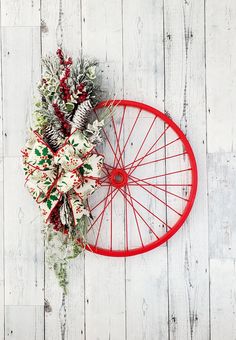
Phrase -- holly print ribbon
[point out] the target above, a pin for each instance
(72, 170)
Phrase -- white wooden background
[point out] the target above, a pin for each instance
(179, 56)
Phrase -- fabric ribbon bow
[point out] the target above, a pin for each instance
(72, 170)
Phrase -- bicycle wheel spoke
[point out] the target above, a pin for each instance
(161, 184)
(104, 179)
(100, 224)
(115, 193)
(105, 134)
(167, 174)
(111, 215)
(118, 136)
(137, 212)
(107, 195)
(150, 153)
(135, 216)
(160, 200)
(161, 159)
(162, 134)
(105, 171)
(141, 158)
(157, 187)
(143, 141)
(126, 223)
(149, 211)
(130, 133)
(104, 168)
(108, 165)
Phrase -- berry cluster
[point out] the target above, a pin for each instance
(64, 124)
(65, 91)
(63, 86)
(62, 60)
(83, 94)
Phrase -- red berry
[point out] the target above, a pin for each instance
(80, 87)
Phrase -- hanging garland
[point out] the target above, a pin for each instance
(61, 166)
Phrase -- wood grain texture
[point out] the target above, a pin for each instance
(102, 38)
(222, 194)
(20, 76)
(146, 275)
(23, 244)
(223, 298)
(185, 102)
(20, 13)
(221, 75)
(2, 281)
(178, 56)
(16, 326)
(72, 314)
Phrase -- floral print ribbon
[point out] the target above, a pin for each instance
(72, 170)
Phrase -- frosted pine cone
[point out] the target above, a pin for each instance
(81, 115)
(52, 137)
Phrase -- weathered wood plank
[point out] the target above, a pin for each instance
(24, 259)
(23, 254)
(185, 101)
(20, 13)
(20, 75)
(105, 297)
(24, 322)
(24, 269)
(223, 298)
(1, 211)
(146, 275)
(72, 314)
(147, 296)
(2, 279)
(220, 75)
(71, 26)
(105, 277)
(222, 194)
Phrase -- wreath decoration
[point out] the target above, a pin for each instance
(61, 165)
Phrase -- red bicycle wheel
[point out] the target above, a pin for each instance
(149, 183)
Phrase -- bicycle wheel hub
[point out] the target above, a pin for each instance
(118, 178)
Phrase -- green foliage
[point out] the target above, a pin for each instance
(88, 167)
(53, 197)
(45, 151)
(81, 170)
(41, 162)
(49, 204)
(60, 270)
(37, 152)
(70, 106)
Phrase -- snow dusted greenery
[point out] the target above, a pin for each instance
(68, 93)
(59, 163)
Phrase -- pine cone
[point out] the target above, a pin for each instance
(52, 137)
(81, 115)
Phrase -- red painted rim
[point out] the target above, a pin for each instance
(194, 181)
